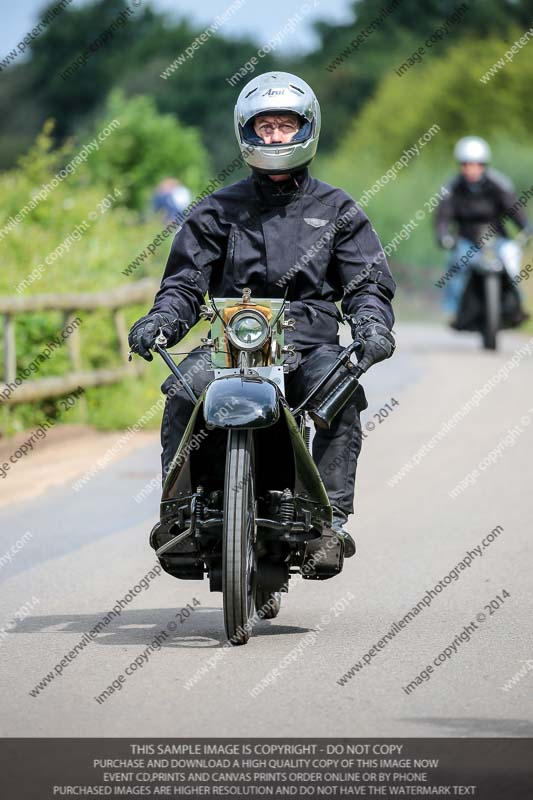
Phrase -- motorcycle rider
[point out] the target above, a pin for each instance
(280, 231)
(476, 198)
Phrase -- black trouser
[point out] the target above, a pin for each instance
(335, 450)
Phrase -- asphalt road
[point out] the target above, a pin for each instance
(89, 548)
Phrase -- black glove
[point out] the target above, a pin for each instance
(377, 341)
(145, 331)
(447, 241)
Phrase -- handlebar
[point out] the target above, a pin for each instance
(342, 359)
(159, 347)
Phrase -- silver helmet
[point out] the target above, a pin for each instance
(473, 150)
(276, 92)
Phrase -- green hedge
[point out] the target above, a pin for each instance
(446, 92)
(97, 243)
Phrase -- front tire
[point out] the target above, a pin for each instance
(239, 566)
(491, 322)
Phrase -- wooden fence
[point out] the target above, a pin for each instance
(114, 300)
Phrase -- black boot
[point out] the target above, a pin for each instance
(337, 524)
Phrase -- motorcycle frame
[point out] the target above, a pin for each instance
(178, 525)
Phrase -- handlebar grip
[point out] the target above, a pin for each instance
(328, 409)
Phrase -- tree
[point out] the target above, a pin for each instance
(146, 147)
(132, 59)
(446, 92)
(343, 88)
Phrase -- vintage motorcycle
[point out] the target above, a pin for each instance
(490, 300)
(247, 507)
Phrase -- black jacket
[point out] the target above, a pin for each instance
(470, 207)
(300, 236)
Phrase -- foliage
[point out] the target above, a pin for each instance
(448, 93)
(147, 147)
(345, 89)
(91, 262)
(182, 126)
(198, 93)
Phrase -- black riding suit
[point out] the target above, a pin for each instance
(301, 237)
(471, 206)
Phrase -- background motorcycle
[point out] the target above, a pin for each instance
(490, 301)
(247, 506)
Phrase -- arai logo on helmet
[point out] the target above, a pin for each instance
(272, 92)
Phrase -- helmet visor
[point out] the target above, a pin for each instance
(302, 132)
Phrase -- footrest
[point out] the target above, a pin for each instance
(323, 558)
(181, 559)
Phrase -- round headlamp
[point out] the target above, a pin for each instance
(248, 330)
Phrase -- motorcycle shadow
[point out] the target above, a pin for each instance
(203, 628)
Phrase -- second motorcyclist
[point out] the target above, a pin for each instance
(477, 199)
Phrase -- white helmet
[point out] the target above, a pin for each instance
(472, 150)
(277, 92)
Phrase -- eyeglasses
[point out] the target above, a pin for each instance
(285, 127)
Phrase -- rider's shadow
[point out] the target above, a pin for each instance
(204, 628)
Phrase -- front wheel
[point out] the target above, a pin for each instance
(239, 566)
(491, 323)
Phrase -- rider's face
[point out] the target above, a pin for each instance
(472, 171)
(276, 129)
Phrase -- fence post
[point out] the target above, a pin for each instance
(10, 352)
(122, 333)
(74, 351)
(73, 341)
